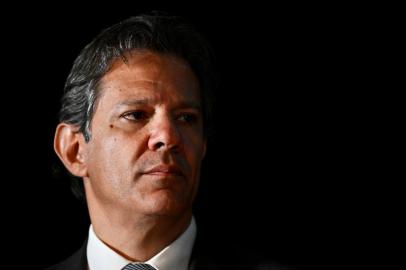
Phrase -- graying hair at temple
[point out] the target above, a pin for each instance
(155, 32)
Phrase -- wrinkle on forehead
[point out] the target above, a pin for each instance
(149, 68)
(153, 76)
(154, 59)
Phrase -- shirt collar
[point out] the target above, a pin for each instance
(175, 256)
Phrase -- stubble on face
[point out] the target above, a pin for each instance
(119, 152)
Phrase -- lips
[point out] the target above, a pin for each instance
(165, 170)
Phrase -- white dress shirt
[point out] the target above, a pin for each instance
(173, 257)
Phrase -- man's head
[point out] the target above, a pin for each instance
(134, 117)
(158, 33)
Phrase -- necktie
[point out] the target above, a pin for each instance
(138, 266)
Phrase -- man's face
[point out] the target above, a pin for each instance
(147, 140)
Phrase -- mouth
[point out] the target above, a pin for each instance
(165, 171)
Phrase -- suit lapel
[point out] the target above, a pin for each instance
(199, 259)
(78, 261)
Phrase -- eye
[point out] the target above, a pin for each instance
(136, 115)
(188, 118)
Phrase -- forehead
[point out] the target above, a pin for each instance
(149, 73)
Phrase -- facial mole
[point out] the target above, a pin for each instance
(111, 126)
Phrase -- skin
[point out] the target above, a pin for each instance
(148, 115)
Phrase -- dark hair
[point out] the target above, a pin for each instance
(156, 32)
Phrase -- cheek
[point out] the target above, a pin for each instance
(110, 169)
(192, 139)
(194, 154)
(106, 155)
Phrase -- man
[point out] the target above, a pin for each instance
(133, 130)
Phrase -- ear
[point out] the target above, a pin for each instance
(69, 145)
(204, 148)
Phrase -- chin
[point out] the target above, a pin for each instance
(164, 202)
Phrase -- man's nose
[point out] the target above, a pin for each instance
(165, 135)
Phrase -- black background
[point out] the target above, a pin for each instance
(284, 171)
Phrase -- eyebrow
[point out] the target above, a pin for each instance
(145, 101)
(134, 102)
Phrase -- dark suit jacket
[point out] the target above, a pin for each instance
(200, 260)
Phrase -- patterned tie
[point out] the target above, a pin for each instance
(138, 266)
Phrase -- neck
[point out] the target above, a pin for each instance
(137, 237)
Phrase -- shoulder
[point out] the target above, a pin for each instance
(247, 261)
(236, 262)
(77, 261)
(215, 256)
